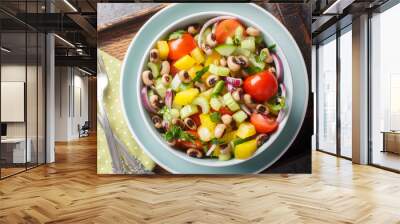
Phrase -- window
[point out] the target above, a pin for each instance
(346, 92)
(385, 89)
(327, 96)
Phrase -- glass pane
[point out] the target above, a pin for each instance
(327, 96)
(346, 94)
(31, 98)
(41, 99)
(385, 85)
(13, 87)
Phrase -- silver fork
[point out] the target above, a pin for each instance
(122, 161)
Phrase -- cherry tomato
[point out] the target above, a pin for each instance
(225, 110)
(263, 124)
(226, 28)
(181, 46)
(188, 144)
(261, 86)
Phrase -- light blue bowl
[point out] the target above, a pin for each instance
(180, 15)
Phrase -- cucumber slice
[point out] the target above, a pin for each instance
(155, 69)
(249, 43)
(188, 110)
(230, 102)
(242, 51)
(239, 116)
(224, 157)
(160, 88)
(225, 49)
(218, 70)
(203, 103)
(215, 103)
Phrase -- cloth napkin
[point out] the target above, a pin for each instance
(117, 121)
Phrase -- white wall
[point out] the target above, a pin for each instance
(71, 102)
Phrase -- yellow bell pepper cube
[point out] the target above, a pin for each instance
(245, 130)
(192, 71)
(184, 63)
(185, 97)
(212, 59)
(246, 149)
(197, 55)
(206, 121)
(216, 151)
(163, 49)
(228, 136)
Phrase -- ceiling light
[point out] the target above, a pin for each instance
(5, 50)
(70, 5)
(84, 71)
(64, 40)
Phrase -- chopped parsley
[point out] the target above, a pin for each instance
(175, 132)
(215, 117)
(200, 73)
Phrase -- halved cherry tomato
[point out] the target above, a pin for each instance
(261, 86)
(263, 124)
(225, 110)
(226, 28)
(181, 46)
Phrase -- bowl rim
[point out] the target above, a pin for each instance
(300, 117)
(213, 162)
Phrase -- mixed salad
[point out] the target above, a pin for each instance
(216, 90)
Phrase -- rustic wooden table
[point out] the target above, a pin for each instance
(114, 38)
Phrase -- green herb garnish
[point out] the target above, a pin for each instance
(215, 117)
(200, 73)
(216, 141)
(175, 132)
(276, 104)
(261, 58)
(175, 35)
(252, 69)
(272, 47)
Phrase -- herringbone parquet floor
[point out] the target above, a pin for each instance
(69, 191)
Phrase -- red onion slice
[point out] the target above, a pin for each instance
(282, 112)
(278, 67)
(283, 90)
(208, 23)
(281, 115)
(169, 95)
(212, 148)
(245, 109)
(230, 87)
(236, 82)
(145, 100)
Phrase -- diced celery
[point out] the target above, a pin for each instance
(155, 69)
(160, 88)
(169, 114)
(203, 103)
(230, 102)
(239, 116)
(224, 156)
(239, 33)
(242, 51)
(218, 87)
(188, 110)
(175, 83)
(218, 70)
(254, 62)
(185, 86)
(249, 43)
(215, 103)
(225, 49)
